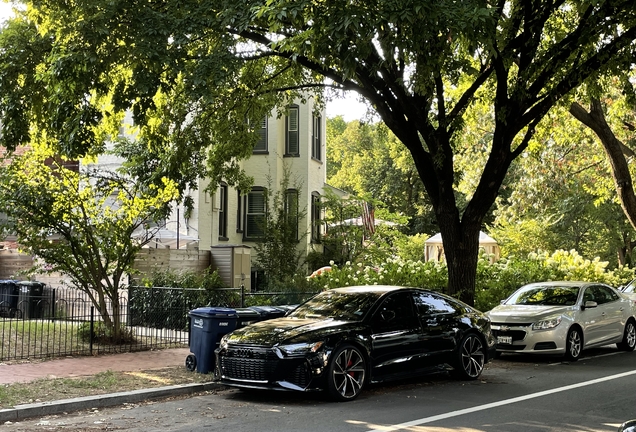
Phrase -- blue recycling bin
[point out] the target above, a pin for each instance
(207, 326)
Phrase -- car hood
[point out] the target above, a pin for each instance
(280, 330)
(524, 313)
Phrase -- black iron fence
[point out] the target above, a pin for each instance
(42, 322)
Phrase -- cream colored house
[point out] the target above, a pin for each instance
(226, 222)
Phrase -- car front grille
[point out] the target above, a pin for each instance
(505, 329)
(252, 364)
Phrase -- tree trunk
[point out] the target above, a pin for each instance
(461, 248)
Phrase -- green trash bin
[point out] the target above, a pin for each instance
(207, 326)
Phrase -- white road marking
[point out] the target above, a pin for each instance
(498, 404)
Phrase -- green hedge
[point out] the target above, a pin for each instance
(495, 281)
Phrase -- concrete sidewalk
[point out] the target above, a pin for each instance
(86, 366)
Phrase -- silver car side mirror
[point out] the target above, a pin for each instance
(589, 304)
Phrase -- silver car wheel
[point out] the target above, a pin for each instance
(629, 337)
(348, 372)
(574, 345)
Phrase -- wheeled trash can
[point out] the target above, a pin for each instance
(207, 326)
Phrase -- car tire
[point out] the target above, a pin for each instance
(629, 337)
(471, 358)
(573, 344)
(191, 362)
(346, 373)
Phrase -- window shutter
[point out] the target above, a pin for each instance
(292, 131)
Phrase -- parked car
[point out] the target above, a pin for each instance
(563, 318)
(344, 338)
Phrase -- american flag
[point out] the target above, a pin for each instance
(368, 218)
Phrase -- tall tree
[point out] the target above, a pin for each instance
(205, 66)
(367, 160)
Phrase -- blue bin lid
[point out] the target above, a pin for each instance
(214, 312)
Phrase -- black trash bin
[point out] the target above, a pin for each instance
(31, 300)
(247, 316)
(9, 293)
(269, 312)
(207, 326)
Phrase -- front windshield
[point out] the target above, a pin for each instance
(545, 296)
(630, 288)
(349, 306)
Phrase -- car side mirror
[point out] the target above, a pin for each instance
(628, 426)
(388, 315)
(589, 304)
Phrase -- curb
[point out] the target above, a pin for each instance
(21, 412)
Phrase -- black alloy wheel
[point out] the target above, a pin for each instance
(629, 337)
(346, 373)
(573, 345)
(191, 362)
(471, 357)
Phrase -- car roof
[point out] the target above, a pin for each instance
(371, 288)
(565, 283)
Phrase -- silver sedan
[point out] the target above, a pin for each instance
(564, 318)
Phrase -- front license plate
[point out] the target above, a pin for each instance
(507, 340)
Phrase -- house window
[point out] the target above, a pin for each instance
(316, 152)
(315, 217)
(291, 132)
(255, 214)
(291, 211)
(261, 144)
(223, 211)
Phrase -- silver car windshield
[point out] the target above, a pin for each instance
(339, 306)
(545, 296)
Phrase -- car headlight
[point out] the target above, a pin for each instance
(299, 349)
(547, 324)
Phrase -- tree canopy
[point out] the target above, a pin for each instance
(192, 72)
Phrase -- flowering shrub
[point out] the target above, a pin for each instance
(494, 282)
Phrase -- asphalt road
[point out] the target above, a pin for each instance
(515, 393)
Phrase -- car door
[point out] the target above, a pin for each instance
(395, 336)
(437, 318)
(612, 311)
(600, 323)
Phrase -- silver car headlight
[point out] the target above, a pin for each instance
(299, 349)
(547, 324)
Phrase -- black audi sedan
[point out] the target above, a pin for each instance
(344, 338)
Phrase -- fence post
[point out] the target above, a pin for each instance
(90, 345)
(242, 295)
(53, 310)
